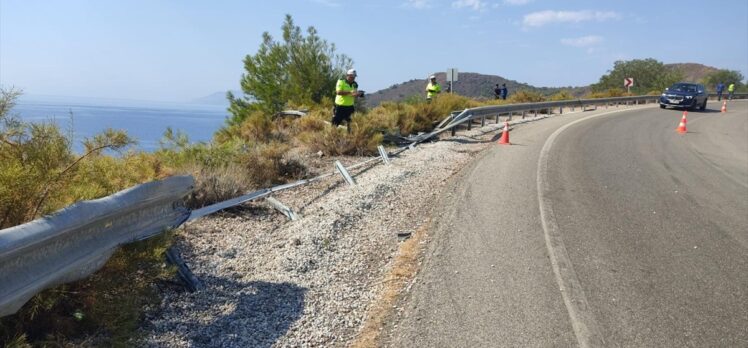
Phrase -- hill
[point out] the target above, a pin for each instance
(693, 72)
(469, 84)
(217, 98)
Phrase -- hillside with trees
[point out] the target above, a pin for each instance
(472, 85)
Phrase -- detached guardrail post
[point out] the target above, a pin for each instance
(383, 154)
(344, 173)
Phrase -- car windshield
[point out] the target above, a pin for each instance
(682, 87)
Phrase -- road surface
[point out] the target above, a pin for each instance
(603, 228)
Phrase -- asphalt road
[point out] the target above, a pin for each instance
(603, 228)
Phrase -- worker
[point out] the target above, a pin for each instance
(346, 92)
(433, 88)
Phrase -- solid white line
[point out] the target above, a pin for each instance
(582, 320)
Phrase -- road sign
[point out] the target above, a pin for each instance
(452, 75)
(628, 82)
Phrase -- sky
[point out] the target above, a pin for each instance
(169, 50)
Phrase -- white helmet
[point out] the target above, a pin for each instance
(351, 72)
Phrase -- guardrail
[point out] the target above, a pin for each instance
(469, 115)
(725, 95)
(76, 241)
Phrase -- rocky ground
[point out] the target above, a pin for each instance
(270, 282)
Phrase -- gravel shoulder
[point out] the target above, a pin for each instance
(270, 282)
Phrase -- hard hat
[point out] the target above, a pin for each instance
(351, 72)
(432, 77)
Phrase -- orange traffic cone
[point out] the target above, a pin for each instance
(681, 127)
(724, 106)
(505, 135)
(683, 119)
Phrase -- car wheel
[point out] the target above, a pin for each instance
(662, 106)
(703, 106)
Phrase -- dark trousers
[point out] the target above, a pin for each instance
(342, 114)
(719, 95)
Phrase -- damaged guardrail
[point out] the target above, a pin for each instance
(76, 241)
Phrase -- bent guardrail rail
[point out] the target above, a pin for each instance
(76, 241)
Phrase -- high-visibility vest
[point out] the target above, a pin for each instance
(343, 85)
(432, 89)
(731, 88)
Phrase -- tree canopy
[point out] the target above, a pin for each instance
(299, 70)
(648, 74)
(725, 76)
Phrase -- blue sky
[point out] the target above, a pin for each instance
(180, 50)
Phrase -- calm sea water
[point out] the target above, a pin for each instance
(145, 122)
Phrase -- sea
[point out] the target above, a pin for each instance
(143, 121)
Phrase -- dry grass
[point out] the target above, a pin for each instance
(402, 272)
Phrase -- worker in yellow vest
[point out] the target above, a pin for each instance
(730, 91)
(346, 92)
(433, 88)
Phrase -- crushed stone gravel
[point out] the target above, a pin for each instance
(270, 282)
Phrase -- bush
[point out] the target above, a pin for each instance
(610, 93)
(525, 96)
(562, 95)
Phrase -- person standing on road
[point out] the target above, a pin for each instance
(433, 88)
(346, 92)
(730, 90)
(504, 91)
(720, 88)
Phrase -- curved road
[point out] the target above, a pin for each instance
(604, 228)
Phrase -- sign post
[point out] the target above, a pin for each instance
(628, 82)
(451, 77)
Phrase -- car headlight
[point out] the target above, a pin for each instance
(663, 95)
(689, 97)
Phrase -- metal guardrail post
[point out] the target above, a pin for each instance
(383, 154)
(282, 208)
(345, 174)
(483, 121)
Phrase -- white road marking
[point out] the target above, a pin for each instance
(582, 321)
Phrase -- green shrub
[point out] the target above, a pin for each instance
(525, 96)
(562, 95)
(610, 93)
